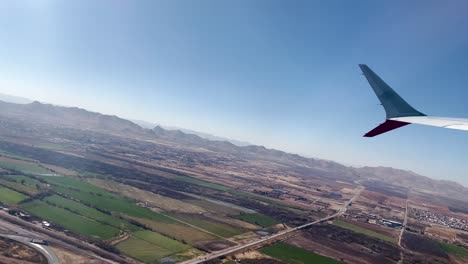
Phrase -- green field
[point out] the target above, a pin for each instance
(89, 212)
(178, 231)
(99, 198)
(26, 179)
(71, 221)
(364, 231)
(142, 250)
(295, 255)
(162, 241)
(75, 183)
(149, 247)
(12, 155)
(211, 185)
(257, 219)
(9, 197)
(24, 167)
(215, 227)
(22, 188)
(454, 249)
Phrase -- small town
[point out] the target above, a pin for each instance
(428, 216)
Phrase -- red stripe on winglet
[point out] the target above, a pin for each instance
(385, 127)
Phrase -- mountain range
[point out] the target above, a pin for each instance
(78, 118)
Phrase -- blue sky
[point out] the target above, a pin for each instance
(278, 73)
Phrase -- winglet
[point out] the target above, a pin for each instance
(394, 105)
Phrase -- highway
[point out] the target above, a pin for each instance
(273, 237)
(43, 249)
(405, 221)
(404, 224)
(23, 236)
(13, 227)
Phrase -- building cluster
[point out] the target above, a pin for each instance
(372, 219)
(436, 218)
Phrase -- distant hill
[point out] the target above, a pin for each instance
(413, 180)
(68, 117)
(14, 99)
(78, 118)
(150, 125)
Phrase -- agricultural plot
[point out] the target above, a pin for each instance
(22, 188)
(165, 203)
(71, 221)
(12, 155)
(205, 223)
(76, 184)
(149, 247)
(295, 255)
(142, 250)
(272, 202)
(162, 241)
(24, 180)
(9, 197)
(96, 197)
(22, 166)
(179, 231)
(257, 219)
(182, 256)
(198, 182)
(89, 212)
(454, 250)
(53, 146)
(214, 207)
(364, 231)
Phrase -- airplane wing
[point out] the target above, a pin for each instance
(399, 112)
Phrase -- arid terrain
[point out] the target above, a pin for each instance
(98, 188)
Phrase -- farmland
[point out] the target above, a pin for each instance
(214, 207)
(27, 180)
(12, 155)
(205, 223)
(163, 202)
(101, 199)
(69, 220)
(454, 250)
(89, 212)
(149, 246)
(22, 188)
(364, 231)
(9, 197)
(178, 231)
(159, 198)
(257, 219)
(295, 255)
(202, 183)
(162, 241)
(22, 166)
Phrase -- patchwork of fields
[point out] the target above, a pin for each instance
(146, 226)
(295, 255)
(106, 210)
(149, 247)
(71, 221)
(364, 231)
(9, 197)
(257, 219)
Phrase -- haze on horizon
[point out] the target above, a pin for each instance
(271, 73)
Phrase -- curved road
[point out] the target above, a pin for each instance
(43, 249)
